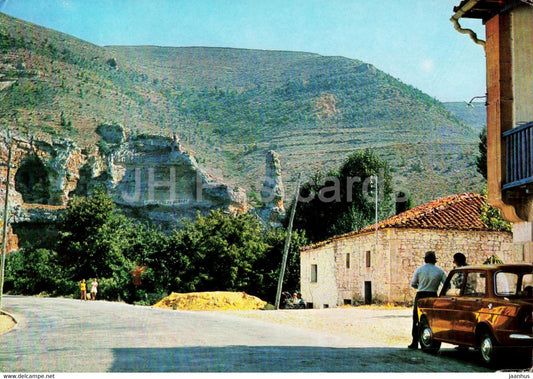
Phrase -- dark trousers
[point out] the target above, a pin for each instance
(419, 295)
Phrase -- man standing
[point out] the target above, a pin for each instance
(426, 280)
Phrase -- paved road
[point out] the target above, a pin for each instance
(65, 335)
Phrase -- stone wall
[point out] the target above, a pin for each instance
(389, 268)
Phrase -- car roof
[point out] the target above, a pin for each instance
(494, 267)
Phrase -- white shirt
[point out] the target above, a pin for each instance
(427, 278)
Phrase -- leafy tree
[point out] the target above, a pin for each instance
(481, 159)
(343, 200)
(93, 237)
(268, 265)
(33, 270)
(217, 252)
(405, 204)
(492, 217)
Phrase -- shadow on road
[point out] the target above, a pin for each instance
(289, 359)
(508, 362)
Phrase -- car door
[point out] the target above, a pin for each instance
(444, 308)
(468, 306)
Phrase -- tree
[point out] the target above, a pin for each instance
(267, 266)
(403, 202)
(343, 200)
(35, 270)
(481, 159)
(492, 217)
(216, 252)
(93, 237)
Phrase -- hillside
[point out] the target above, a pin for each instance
(230, 106)
(474, 115)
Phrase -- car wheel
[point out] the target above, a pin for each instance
(487, 349)
(427, 342)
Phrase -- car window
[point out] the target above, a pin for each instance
(527, 286)
(454, 287)
(506, 283)
(475, 284)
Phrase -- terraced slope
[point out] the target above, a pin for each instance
(230, 106)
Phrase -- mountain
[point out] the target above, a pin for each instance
(474, 114)
(230, 106)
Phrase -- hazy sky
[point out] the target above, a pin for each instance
(412, 40)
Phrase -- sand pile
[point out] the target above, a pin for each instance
(208, 301)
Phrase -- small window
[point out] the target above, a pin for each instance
(368, 258)
(347, 260)
(347, 301)
(475, 284)
(314, 273)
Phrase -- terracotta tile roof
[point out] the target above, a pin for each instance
(456, 212)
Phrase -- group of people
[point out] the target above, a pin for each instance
(426, 280)
(94, 289)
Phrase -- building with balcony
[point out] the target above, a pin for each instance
(508, 48)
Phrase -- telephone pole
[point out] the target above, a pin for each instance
(287, 243)
(6, 218)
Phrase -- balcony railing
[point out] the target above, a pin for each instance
(519, 156)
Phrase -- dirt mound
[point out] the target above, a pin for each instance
(208, 301)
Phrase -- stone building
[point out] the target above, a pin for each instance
(376, 266)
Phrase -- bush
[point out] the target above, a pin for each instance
(33, 271)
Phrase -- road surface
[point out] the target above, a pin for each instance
(66, 335)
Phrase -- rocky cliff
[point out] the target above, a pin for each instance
(149, 177)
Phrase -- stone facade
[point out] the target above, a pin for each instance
(345, 265)
(363, 267)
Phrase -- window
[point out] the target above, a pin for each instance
(368, 258)
(527, 286)
(314, 273)
(456, 282)
(347, 260)
(506, 283)
(475, 284)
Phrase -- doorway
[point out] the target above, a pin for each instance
(368, 293)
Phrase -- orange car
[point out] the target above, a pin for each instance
(488, 307)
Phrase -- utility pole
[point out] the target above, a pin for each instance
(6, 215)
(287, 243)
(376, 208)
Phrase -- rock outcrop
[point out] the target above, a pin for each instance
(158, 178)
(272, 208)
(149, 177)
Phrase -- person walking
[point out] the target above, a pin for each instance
(426, 280)
(94, 289)
(83, 290)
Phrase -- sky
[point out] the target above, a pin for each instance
(412, 40)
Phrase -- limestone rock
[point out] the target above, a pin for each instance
(273, 192)
(162, 181)
(149, 177)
